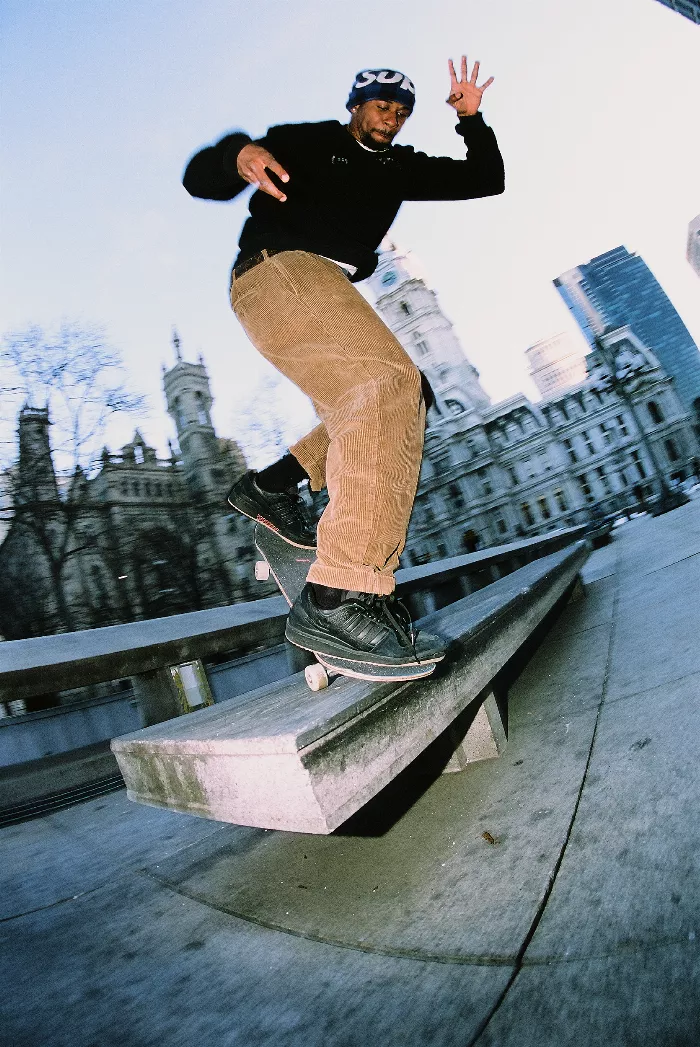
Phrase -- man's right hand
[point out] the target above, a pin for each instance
(251, 163)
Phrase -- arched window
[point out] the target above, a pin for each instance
(180, 420)
(405, 308)
(138, 454)
(655, 412)
(202, 414)
(455, 407)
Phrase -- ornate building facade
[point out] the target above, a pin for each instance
(147, 537)
(493, 472)
(144, 537)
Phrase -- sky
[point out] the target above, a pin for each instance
(103, 101)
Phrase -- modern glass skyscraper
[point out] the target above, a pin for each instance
(689, 8)
(618, 288)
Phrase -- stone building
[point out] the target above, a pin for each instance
(144, 537)
(493, 472)
(147, 537)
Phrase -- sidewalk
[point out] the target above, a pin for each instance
(548, 898)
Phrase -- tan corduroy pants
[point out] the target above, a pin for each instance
(303, 315)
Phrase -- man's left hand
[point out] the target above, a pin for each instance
(465, 96)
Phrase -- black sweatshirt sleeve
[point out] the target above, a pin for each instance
(442, 178)
(211, 174)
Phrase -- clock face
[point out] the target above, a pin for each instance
(389, 278)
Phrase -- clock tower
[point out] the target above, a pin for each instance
(412, 311)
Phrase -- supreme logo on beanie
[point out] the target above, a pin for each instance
(388, 84)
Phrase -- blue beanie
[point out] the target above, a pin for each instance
(388, 84)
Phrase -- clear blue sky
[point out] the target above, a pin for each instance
(595, 106)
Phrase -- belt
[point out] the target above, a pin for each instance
(255, 259)
(267, 252)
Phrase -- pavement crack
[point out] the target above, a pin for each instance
(520, 958)
(51, 905)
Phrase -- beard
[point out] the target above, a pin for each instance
(372, 143)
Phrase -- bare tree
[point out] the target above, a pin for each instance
(72, 379)
(78, 375)
(269, 417)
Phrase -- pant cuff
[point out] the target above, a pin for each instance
(362, 579)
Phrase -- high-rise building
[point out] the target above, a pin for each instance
(618, 289)
(693, 251)
(689, 8)
(556, 363)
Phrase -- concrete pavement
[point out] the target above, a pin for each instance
(550, 897)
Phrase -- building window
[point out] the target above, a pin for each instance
(655, 412)
(585, 489)
(180, 420)
(138, 454)
(454, 406)
(486, 484)
(588, 442)
(501, 526)
(158, 490)
(147, 488)
(561, 501)
(456, 496)
(405, 308)
(640, 465)
(605, 432)
(622, 425)
(544, 508)
(527, 467)
(527, 514)
(202, 413)
(422, 347)
(512, 475)
(529, 424)
(672, 451)
(136, 489)
(604, 480)
(124, 487)
(573, 457)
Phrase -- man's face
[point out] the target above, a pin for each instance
(376, 123)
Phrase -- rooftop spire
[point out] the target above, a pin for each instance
(176, 345)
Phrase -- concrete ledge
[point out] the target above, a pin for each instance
(47, 663)
(289, 759)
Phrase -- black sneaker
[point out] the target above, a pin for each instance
(429, 648)
(284, 513)
(361, 628)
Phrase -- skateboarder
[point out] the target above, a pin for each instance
(327, 194)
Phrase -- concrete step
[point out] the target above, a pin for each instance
(290, 759)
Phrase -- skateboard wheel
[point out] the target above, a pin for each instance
(316, 677)
(262, 570)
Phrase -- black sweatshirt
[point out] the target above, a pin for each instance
(341, 197)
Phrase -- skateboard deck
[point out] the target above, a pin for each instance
(289, 567)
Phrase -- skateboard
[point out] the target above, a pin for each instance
(289, 566)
